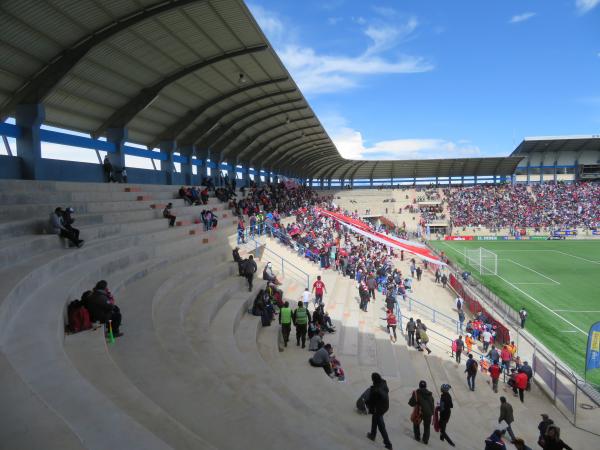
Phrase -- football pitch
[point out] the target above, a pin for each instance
(558, 283)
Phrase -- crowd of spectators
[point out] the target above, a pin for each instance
(549, 206)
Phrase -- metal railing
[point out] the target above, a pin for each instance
(254, 237)
(561, 383)
(434, 315)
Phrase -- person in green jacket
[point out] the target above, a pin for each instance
(285, 319)
(301, 317)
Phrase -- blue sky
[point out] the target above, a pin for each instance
(435, 78)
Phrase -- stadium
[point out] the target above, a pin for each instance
(206, 270)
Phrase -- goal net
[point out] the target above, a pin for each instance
(482, 260)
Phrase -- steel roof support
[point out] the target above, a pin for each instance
(217, 133)
(36, 89)
(286, 154)
(125, 114)
(248, 142)
(176, 129)
(280, 147)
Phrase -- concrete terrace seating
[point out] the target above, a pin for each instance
(194, 370)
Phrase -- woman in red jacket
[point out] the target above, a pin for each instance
(520, 384)
(392, 322)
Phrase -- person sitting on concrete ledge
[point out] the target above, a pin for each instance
(316, 342)
(185, 194)
(68, 221)
(101, 307)
(268, 274)
(59, 227)
(322, 359)
(167, 214)
(322, 320)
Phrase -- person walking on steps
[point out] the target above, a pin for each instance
(506, 415)
(459, 348)
(285, 320)
(495, 371)
(422, 402)
(445, 410)
(319, 289)
(301, 318)
(250, 269)
(392, 322)
(471, 371)
(378, 403)
(411, 327)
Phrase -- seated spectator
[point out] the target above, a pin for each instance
(167, 214)
(316, 342)
(186, 195)
(321, 358)
(101, 307)
(269, 276)
(68, 221)
(59, 227)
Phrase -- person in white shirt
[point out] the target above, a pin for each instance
(487, 338)
(306, 297)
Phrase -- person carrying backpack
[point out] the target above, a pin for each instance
(422, 402)
(378, 402)
(471, 371)
(79, 317)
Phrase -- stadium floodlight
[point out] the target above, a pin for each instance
(482, 260)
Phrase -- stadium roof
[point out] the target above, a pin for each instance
(198, 72)
(558, 144)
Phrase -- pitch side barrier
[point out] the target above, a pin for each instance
(567, 390)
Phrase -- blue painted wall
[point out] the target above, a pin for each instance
(10, 167)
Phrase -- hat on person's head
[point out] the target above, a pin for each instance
(375, 377)
(544, 416)
(71, 210)
(445, 387)
(422, 384)
(269, 264)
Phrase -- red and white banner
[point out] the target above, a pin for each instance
(360, 227)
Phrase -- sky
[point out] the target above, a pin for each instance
(414, 79)
(410, 79)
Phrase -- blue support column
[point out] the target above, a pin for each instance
(186, 169)
(168, 148)
(117, 137)
(29, 144)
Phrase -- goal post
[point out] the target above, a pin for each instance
(482, 260)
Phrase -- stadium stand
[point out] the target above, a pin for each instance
(194, 369)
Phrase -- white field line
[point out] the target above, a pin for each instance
(541, 304)
(574, 311)
(544, 284)
(535, 271)
(578, 257)
(568, 331)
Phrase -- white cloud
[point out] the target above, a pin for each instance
(584, 6)
(334, 20)
(522, 17)
(351, 145)
(385, 37)
(324, 73)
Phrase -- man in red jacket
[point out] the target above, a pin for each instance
(495, 374)
(520, 384)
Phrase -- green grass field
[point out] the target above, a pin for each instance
(558, 282)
